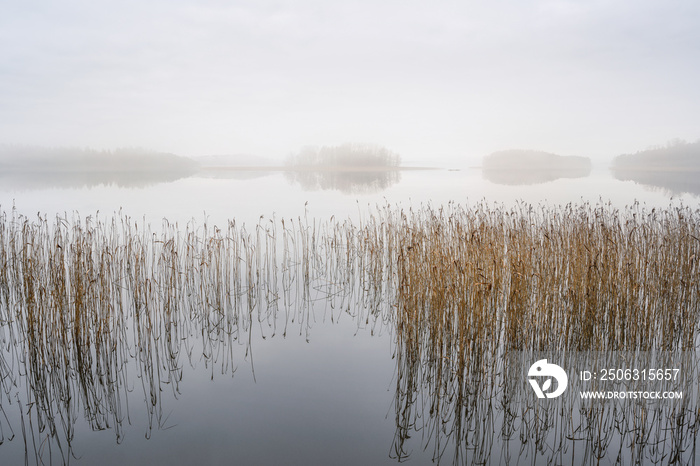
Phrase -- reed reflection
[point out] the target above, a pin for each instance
(470, 296)
(480, 292)
(489, 416)
(87, 306)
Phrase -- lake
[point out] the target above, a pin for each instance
(302, 361)
(246, 195)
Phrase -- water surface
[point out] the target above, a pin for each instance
(317, 380)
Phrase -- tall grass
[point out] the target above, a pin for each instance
(478, 291)
(87, 304)
(576, 277)
(83, 301)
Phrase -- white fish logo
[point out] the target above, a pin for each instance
(551, 371)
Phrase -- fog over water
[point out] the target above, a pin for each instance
(446, 81)
(221, 225)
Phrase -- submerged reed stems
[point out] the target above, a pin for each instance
(460, 287)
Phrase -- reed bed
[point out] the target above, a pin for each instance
(86, 302)
(578, 277)
(479, 291)
(86, 305)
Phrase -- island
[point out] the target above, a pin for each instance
(64, 167)
(673, 168)
(351, 168)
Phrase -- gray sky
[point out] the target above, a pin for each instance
(453, 80)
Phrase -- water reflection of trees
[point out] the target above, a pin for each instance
(344, 180)
(348, 168)
(675, 182)
(523, 167)
(673, 168)
(518, 177)
(34, 180)
(471, 297)
(27, 167)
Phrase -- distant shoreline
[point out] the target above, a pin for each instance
(196, 169)
(307, 168)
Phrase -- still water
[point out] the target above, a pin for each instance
(319, 379)
(248, 195)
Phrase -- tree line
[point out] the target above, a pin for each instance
(67, 159)
(345, 155)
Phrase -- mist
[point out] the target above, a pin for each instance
(673, 168)
(527, 167)
(448, 82)
(331, 199)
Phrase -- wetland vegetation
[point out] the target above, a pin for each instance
(468, 294)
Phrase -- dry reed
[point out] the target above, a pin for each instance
(460, 288)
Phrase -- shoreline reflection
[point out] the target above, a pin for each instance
(344, 180)
(672, 182)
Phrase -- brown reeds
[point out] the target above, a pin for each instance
(578, 277)
(480, 290)
(462, 289)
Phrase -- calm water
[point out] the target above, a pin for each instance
(246, 196)
(326, 391)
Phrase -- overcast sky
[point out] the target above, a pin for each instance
(453, 80)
